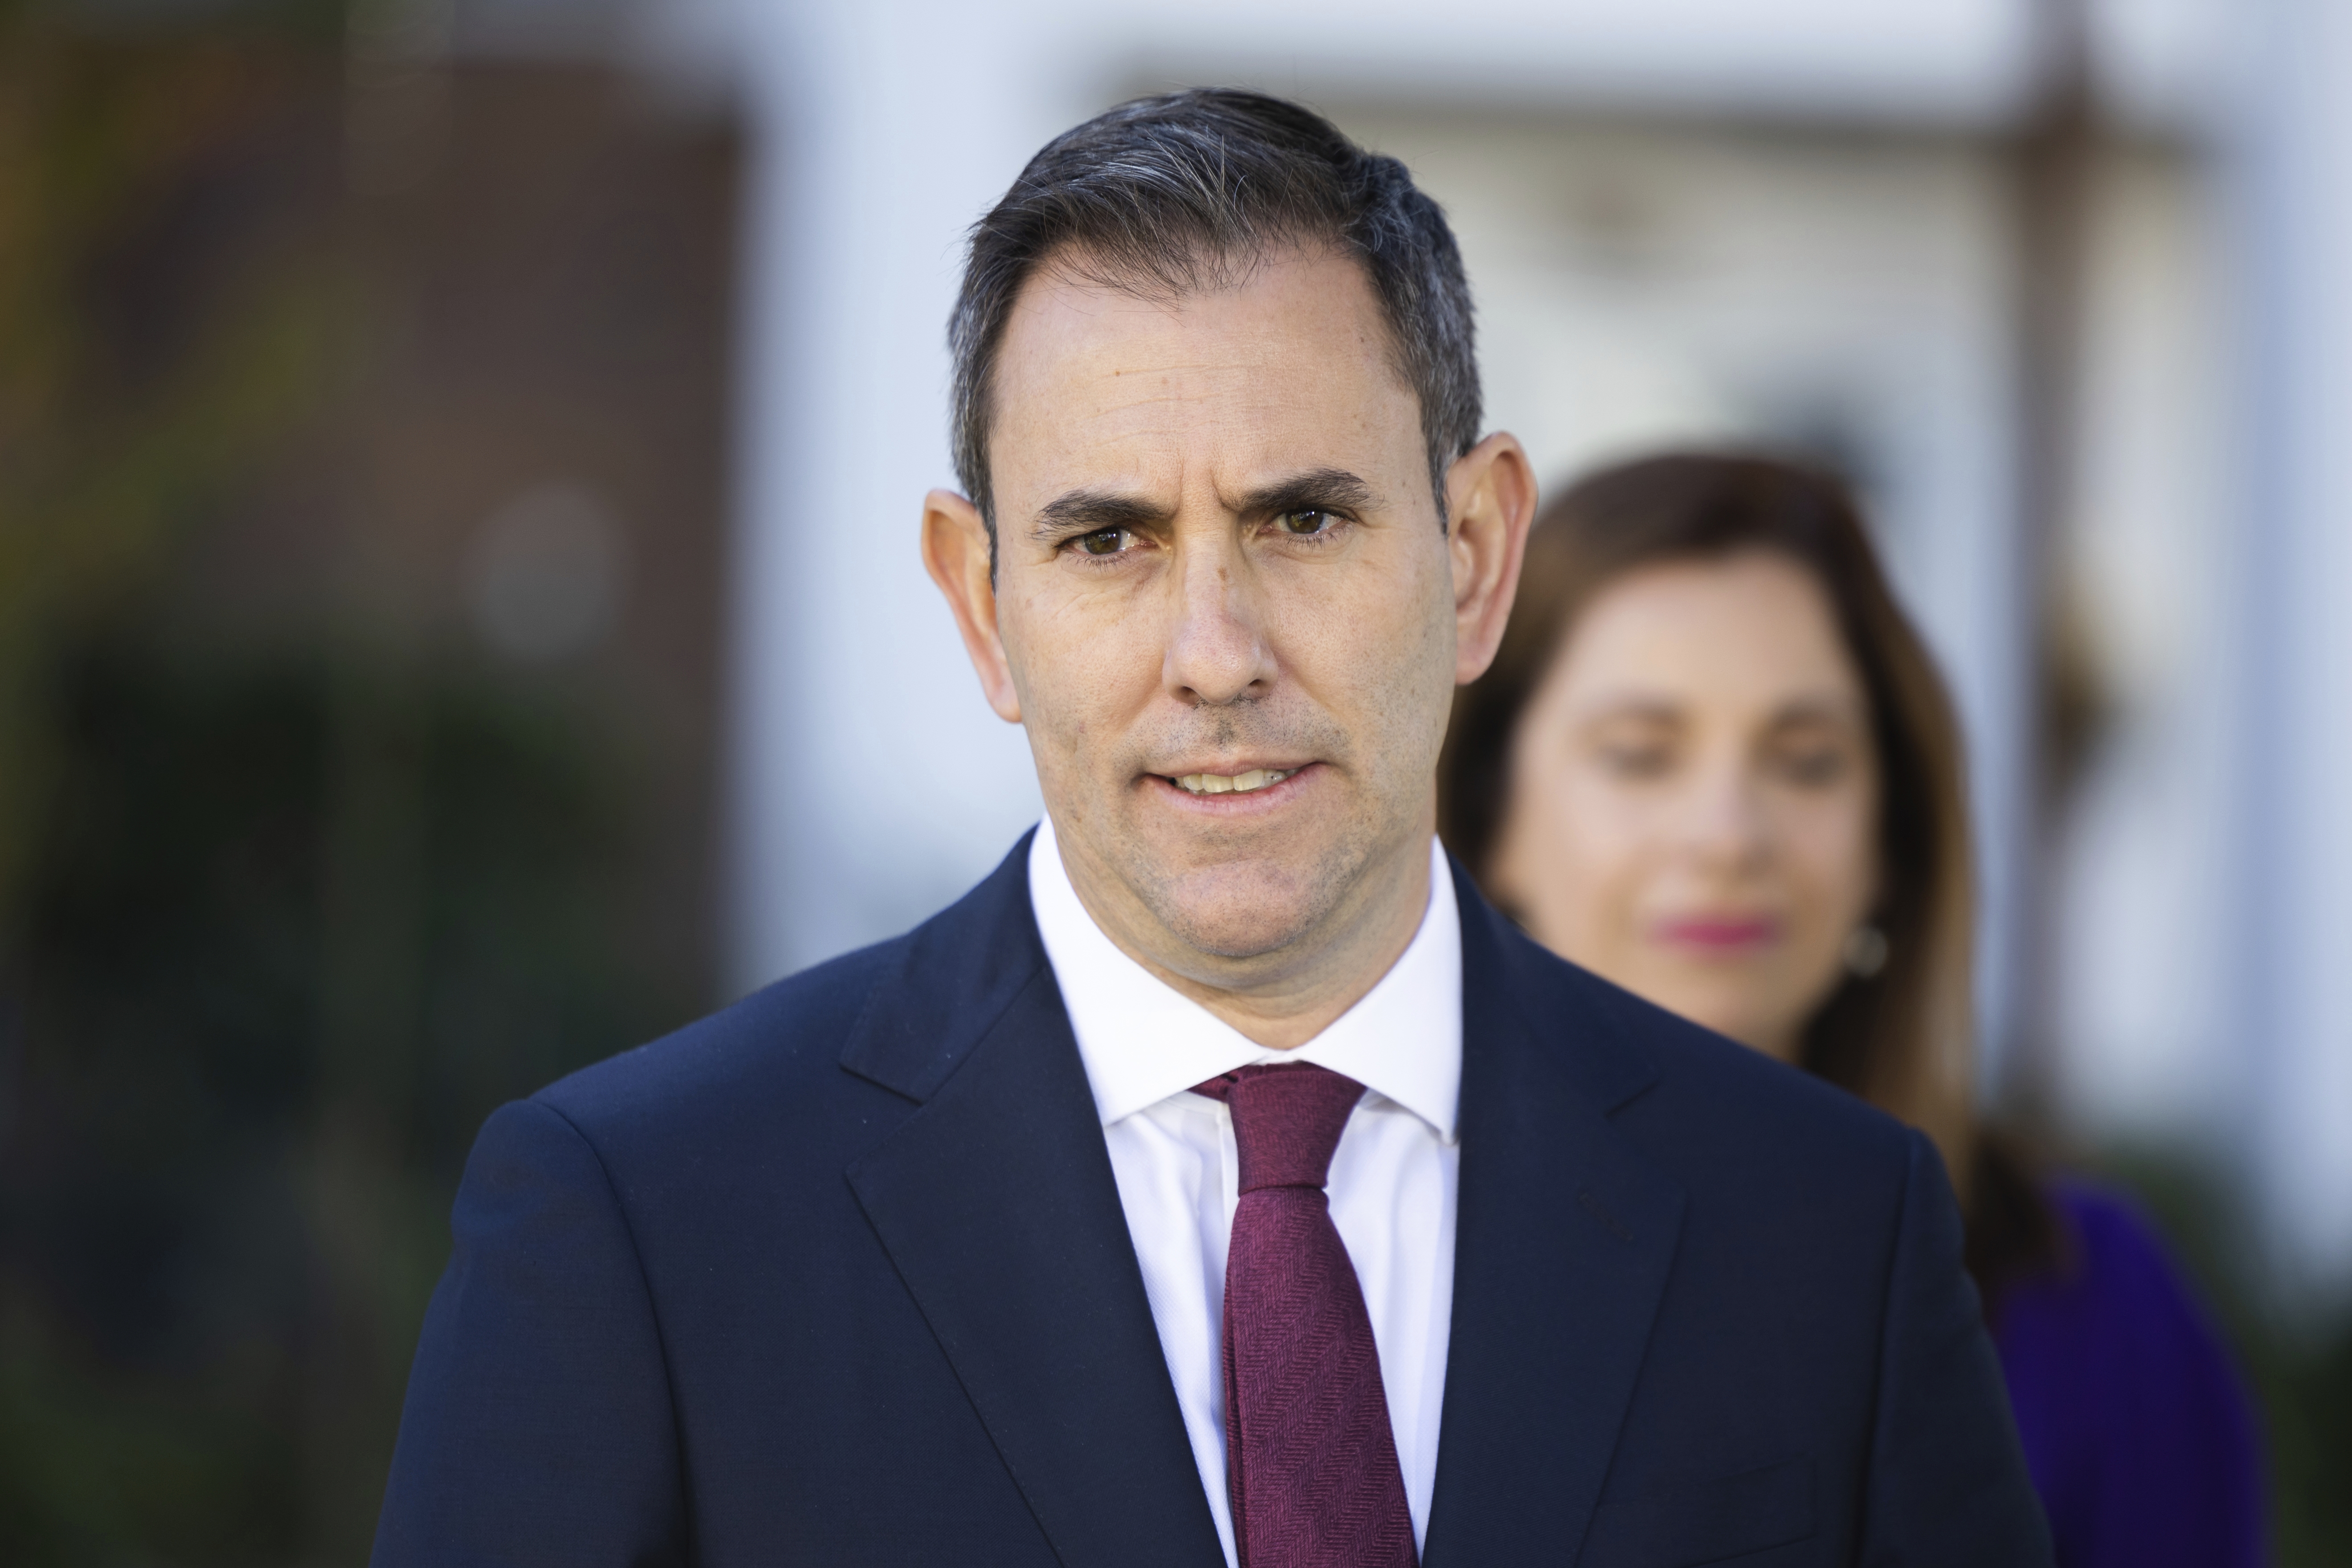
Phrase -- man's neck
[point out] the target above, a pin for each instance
(1281, 999)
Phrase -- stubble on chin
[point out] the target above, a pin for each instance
(1252, 906)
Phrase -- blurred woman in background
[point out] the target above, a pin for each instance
(1715, 763)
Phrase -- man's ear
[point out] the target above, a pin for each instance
(1490, 500)
(956, 553)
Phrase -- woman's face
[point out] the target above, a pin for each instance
(1693, 796)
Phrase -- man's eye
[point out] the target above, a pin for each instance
(1103, 541)
(1307, 520)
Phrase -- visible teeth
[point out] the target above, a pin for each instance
(1238, 783)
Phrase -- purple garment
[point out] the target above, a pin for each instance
(2135, 1426)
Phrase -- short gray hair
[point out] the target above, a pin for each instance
(1182, 191)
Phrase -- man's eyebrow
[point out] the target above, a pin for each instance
(1087, 510)
(1314, 490)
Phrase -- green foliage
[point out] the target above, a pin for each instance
(264, 1007)
(112, 443)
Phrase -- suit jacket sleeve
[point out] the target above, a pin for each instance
(1948, 1481)
(538, 1426)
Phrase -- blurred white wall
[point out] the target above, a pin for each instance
(2291, 148)
(2203, 927)
(2147, 848)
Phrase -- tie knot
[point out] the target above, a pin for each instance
(1288, 1118)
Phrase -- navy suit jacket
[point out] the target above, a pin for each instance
(840, 1276)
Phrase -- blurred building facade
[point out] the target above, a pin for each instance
(465, 617)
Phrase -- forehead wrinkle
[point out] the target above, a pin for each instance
(1124, 389)
(1374, 340)
(1114, 397)
(1174, 432)
(1136, 404)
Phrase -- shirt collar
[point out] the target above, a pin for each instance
(1143, 1040)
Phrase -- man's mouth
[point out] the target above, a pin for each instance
(1231, 783)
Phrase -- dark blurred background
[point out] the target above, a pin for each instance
(459, 618)
(363, 445)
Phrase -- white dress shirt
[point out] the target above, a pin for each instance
(1393, 1177)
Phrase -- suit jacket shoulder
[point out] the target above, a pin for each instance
(760, 1085)
(780, 1043)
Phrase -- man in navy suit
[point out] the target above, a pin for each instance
(1222, 1180)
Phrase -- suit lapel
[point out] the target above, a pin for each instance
(997, 1203)
(1565, 1237)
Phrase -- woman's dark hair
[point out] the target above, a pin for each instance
(1899, 1037)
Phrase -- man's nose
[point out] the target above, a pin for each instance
(1217, 650)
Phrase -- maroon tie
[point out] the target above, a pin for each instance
(1310, 1460)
